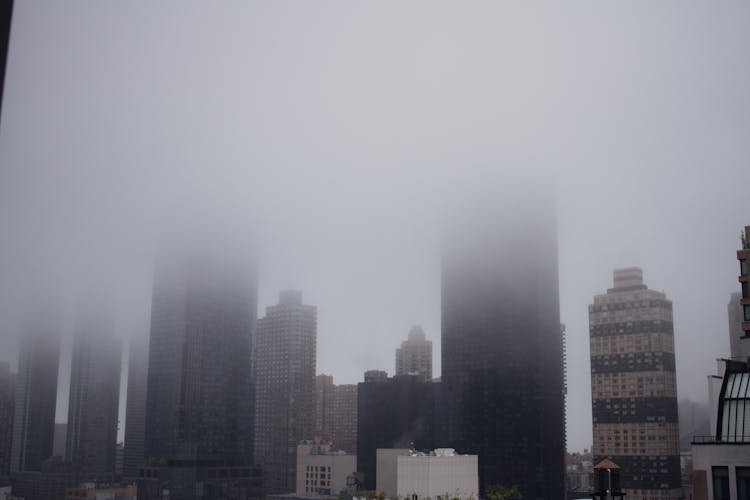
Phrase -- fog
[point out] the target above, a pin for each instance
(331, 136)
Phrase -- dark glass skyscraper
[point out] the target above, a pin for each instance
(396, 412)
(199, 405)
(36, 396)
(135, 411)
(94, 399)
(502, 374)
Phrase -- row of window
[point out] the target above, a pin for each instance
(720, 476)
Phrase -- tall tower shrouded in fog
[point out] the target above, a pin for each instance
(633, 392)
(36, 397)
(199, 404)
(285, 396)
(135, 411)
(502, 375)
(93, 401)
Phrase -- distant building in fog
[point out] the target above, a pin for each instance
(734, 314)
(93, 401)
(323, 399)
(285, 391)
(397, 412)
(336, 413)
(741, 349)
(502, 361)
(135, 408)
(61, 436)
(50, 482)
(414, 357)
(633, 389)
(7, 396)
(199, 404)
(321, 470)
(35, 397)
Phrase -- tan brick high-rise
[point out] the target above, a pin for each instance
(633, 391)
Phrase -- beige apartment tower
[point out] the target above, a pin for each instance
(285, 388)
(633, 389)
(414, 357)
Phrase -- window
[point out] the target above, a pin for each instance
(746, 308)
(721, 482)
(743, 267)
(743, 482)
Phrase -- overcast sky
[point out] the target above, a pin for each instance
(329, 133)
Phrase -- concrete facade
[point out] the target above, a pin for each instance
(441, 474)
(322, 470)
(721, 460)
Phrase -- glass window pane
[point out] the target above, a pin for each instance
(720, 476)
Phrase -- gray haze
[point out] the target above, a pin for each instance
(330, 134)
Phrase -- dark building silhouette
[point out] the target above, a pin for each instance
(633, 386)
(396, 412)
(93, 401)
(135, 410)
(35, 396)
(50, 482)
(285, 395)
(199, 387)
(7, 398)
(502, 360)
(6, 15)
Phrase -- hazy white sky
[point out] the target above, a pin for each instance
(332, 133)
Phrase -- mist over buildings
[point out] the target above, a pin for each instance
(330, 141)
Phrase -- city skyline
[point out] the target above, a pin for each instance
(642, 125)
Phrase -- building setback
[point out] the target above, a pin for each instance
(414, 357)
(502, 360)
(285, 390)
(634, 398)
(35, 398)
(93, 401)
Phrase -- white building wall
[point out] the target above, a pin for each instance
(706, 456)
(338, 465)
(401, 474)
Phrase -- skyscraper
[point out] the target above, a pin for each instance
(93, 401)
(135, 410)
(634, 399)
(285, 374)
(36, 396)
(7, 398)
(502, 361)
(199, 396)
(414, 357)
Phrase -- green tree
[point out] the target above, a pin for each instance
(500, 492)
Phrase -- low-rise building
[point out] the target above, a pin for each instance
(721, 461)
(321, 470)
(93, 491)
(440, 475)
